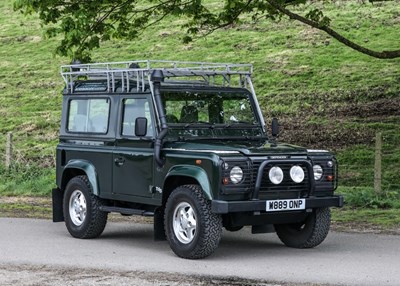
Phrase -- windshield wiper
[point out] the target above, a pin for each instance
(199, 123)
(238, 123)
(224, 138)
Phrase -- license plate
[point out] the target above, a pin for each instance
(286, 205)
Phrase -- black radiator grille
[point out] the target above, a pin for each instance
(285, 190)
(245, 186)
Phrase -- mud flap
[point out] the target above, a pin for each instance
(264, 228)
(159, 231)
(57, 197)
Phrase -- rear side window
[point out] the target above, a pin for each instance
(88, 115)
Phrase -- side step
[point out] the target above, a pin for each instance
(126, 211)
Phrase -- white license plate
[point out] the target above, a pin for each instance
(285, 205)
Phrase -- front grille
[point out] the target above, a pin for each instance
(285, 190)
(245, 186)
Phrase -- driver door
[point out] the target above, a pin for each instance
(133, 156)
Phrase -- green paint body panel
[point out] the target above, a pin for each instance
(195, 172)
(88, 169)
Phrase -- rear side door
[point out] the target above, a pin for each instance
(133, 157)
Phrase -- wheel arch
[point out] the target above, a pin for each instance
(186, 175)
(77, 168)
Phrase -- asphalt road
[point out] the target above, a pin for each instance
(343, 259)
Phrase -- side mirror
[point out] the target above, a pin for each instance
(275, 127)
(141, 126)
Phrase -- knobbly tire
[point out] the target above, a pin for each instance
(81, 207)
(192, 230)
(308, 234)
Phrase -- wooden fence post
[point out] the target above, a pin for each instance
(378, 164)
(8, 150)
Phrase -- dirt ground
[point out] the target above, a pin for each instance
(42, 275)
(30, 275)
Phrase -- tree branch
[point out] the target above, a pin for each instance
(230, 22)
(376, 54)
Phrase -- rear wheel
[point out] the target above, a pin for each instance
(192, 230)
(307, 234)
(83, 217)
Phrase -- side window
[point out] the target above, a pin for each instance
(132, 109)
(88, 115)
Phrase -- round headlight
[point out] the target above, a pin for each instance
(317, 172)
(236, 175)
(276, 175)
(297, 174)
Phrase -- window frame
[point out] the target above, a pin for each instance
(70, 100)
(122, 100)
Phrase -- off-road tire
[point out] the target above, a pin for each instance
(308, 234)
(208, 224)
(95, 220)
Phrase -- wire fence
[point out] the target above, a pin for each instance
(376, 167)
(11, 154)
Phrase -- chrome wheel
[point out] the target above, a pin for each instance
(184, 223)
(77, 208)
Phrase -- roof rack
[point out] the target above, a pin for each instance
(136, 74)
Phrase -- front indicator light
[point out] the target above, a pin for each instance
(318, 172)
(276, 175)
(329, 178)
(297, 174)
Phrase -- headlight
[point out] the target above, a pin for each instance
(317, 172)
(276, 175)
(236, 175)
(297, 174)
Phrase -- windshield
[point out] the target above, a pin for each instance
(210, 113)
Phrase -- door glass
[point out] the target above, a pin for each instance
(134, 108)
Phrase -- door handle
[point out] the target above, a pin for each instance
(119, 161)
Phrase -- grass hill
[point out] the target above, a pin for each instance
(324, 94)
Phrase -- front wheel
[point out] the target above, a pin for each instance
(192, 230)
(307, 234)
(83, 217)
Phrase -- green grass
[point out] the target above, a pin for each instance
(386, 220)
(366, 197)
(325, 94)
(26, 181)
(25, 207)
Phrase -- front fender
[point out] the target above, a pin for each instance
(194, 172)
(84, 166)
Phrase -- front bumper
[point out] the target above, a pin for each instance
(224, 207)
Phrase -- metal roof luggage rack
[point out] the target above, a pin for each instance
(137, 74)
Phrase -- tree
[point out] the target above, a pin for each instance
(85, 24)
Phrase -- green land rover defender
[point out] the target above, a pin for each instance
(185, 143)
